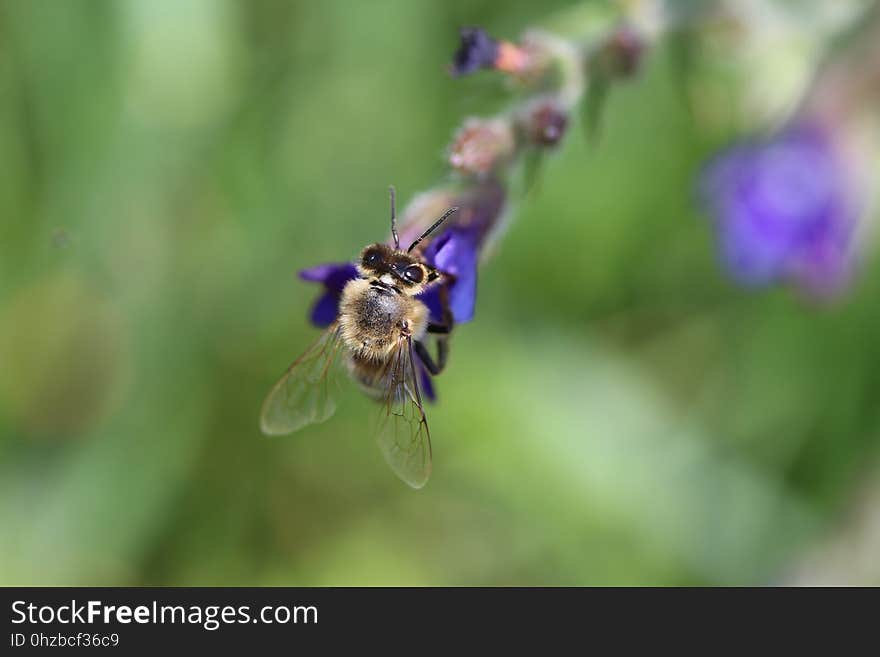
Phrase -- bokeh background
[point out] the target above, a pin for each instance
(619, 412)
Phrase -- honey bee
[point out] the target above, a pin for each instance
(381, 329)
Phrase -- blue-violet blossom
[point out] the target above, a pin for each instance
(783, 209)
(477, 51)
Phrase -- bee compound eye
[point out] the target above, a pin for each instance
(372, 258)
(414, 273)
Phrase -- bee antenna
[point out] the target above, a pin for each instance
(394, 217)
(432, 228)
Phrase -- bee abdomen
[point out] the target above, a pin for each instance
(368, 372)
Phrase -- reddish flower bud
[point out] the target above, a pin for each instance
(512, 58)
(621, 54)
(545, 123)
(482, 145)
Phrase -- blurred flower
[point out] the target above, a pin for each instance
(480, 51)
(477, 51)
(785, 209)
(621, 53)
(617, 56)
(545, 122)
(482, 145)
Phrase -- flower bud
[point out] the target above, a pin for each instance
(479, 51)
(482, 146)
(512, 58)
(621, 53)
(545, 122)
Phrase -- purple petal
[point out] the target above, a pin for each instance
(477, 50)
(455, 253)
(824, 263)
(325, 310)
(333, 276)
(431, 298)
(318, 273)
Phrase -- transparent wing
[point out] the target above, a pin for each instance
(402, 433)
(302, 396)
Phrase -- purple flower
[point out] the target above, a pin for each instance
(783, 210)
(477, 50)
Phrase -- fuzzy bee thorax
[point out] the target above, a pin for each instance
(373, 317)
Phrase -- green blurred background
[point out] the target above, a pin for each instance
(617, 413)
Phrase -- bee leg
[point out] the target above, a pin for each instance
(439, 329)
(442, 330)
(442, 352)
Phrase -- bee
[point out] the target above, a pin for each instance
(381, 329)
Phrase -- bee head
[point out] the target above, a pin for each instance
(396, 268)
